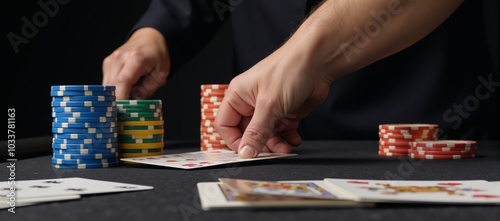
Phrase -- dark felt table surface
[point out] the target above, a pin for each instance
(175, 195)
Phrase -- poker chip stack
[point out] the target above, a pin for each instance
(443, 149)
(211, 98)
(396, 139)
(84, 126)
(140, 128)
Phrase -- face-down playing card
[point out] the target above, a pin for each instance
(200, 159)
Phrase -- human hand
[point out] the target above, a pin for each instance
(263, 106)
(145, 55)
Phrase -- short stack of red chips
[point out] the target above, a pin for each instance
(396, 139)
(443, 149)
(211, 98)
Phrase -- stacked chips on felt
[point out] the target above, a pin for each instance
(211, 99)
(140, 128)
(84, 126)
(396, 139)
(443, 149)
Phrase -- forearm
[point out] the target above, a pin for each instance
(342, 36)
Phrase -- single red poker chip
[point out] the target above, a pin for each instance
(441, 157)
(211, 137)
(394, 142)
(393, 147)
(408, 126)
(442, 152)
(405, 136)
(210, 94)
(392, 154)
(443, 149)
(385, 150)
(413, 132)
(209, 106)
(445, 143)
(208, 129)
(214, 86)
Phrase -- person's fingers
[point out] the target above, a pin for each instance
(276, 144)
(128, 76)
(150, 83)
(111, 66)
(292, 137)
(233, 109)
(259, 130)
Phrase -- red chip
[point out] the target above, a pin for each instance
(445, 143)
(441, 157)
(408, 126)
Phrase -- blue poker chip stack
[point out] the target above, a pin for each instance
(84, 126)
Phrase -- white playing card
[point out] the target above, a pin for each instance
(36, 189)
(215, 195)
(200, 159)
(35, 200)
(456, 191)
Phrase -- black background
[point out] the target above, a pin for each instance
(69, 49)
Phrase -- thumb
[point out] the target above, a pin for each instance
(257, 132)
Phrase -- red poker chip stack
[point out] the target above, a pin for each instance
(211, 98)
(443, 149)
(396, 139)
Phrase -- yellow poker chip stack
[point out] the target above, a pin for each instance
(211, 99)
(140, 128)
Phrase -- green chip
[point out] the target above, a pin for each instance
(120, 119)
(156, 150)
(139, 102)
(141, 136)
(138, 141)
(138, 110)
(152, 127)
(139, 114)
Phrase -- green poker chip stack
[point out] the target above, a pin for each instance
(140, 128)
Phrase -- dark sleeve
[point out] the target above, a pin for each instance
(187, 25)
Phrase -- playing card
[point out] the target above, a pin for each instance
(32, 190)
(216, 195)
(456, 191)
(35, 200)
(281, 188)
(200, 159)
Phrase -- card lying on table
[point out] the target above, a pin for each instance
(218, 195)
(238, 193)
(28, 192)
(409, 191)
(200, 159)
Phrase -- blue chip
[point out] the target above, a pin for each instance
(84, 151)
(84, 104)
(83, 109)
(85, 136)
(66, 146)
(84, 166)
(84, 156)
(85, 114)
(84, 125)
(84, 141)
(83, 161)
(81, 93)
(85, 119)
(91, 130)
(83, 88)
(84, 98)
